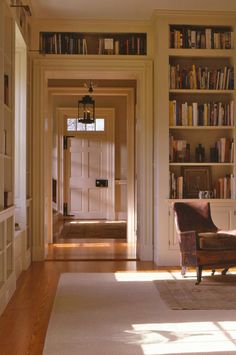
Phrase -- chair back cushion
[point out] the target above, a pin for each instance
(194, 216)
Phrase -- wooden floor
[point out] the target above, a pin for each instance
(100, 247)
(95, 249)
(23, 324)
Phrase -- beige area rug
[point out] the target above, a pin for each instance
(122, 313)
(82, 229)
(214, 292)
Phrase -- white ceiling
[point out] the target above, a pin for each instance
(121, 9)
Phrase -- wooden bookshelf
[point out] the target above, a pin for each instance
(7, 277)
(93, 43)
(213, 75)
(195, 106)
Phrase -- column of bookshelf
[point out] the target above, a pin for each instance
(7, 280)
(201, 112)
(28, 158)
(8, 127)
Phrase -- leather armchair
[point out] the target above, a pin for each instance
(202, 244)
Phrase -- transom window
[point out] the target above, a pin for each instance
(73, 125)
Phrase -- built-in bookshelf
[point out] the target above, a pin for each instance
(93, 43)
(7, 277)
(194, 69)
(201, 111)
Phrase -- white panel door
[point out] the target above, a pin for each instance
(90, 157)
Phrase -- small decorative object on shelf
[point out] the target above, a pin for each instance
(196, 179)
(200, 154)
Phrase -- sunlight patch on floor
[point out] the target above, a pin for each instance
(82, 245)
(186, 337)
(151, 276)
(162, 275)
(97, 222)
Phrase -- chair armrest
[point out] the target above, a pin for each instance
(188, 241)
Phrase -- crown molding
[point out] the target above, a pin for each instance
(202, 13)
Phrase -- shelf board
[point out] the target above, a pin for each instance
(198, 52)
(93, 56)
(203, 127)
(201, 164)
(200, 91)
(6, 213)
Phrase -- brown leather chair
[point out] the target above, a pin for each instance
(202, 244)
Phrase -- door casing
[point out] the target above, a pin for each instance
(42, 142)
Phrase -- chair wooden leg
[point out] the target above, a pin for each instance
(213, 272)
(199, 275)
(183, 270)
(224, 272)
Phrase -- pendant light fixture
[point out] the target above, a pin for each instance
(86, 107)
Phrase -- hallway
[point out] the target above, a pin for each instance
(91, 240)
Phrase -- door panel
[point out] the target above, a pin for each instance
(90, 156)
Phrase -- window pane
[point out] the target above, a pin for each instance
(90, 127)
(81, 127)
(74, 125)
(71, 124)
(99, 124)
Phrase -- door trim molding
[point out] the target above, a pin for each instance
(45, 68)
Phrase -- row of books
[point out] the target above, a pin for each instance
(222, 152)
(224, 148)
(129, 46)
(76, 43)
(201, 78)
(176, 185)
(205, 38)
(179, 150)
(201, 114)
(224, 187)
(63, 43)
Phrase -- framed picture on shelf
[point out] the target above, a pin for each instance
(196, 178)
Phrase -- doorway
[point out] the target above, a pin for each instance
(44, 70)
(88, 160)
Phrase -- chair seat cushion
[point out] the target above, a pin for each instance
(217, 241)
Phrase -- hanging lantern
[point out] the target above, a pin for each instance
(86, 110)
